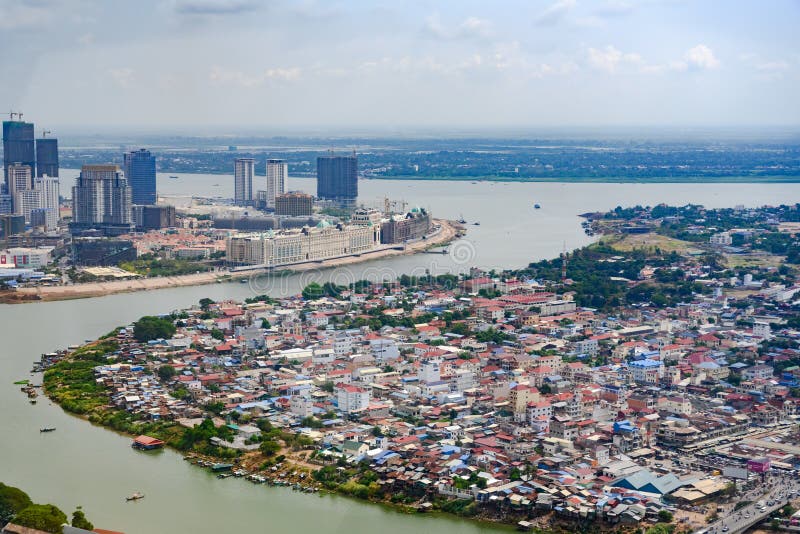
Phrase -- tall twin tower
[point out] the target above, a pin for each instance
(243, 172)
(337, 180)
(21, 147)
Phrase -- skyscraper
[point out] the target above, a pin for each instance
(50, 192)
(101, 198)
(140, 171)
(47, 157)
(277, 176)
(243, 170)
(19, 178)
(18, 146)
(23, 197)
(337, 178)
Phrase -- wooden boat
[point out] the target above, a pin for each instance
(48, 429)
(135, 497)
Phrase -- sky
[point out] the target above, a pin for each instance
(273, 65)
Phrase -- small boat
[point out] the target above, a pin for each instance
(223, 475)
(215, 185)
(461, 220)
(173, 177)
(476, 223)
(221, 467)
(135, 497)
(32, 401)
(48, 429)
(536, 206)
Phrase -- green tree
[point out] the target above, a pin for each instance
(12, 501)
(165, 372)
(206, 303)
(664, 516)
(150, 327)
(313, 291)
(217, 334)
(79, 520)
(44, 517)
(269, 447)
(215, 407)
(265, 324)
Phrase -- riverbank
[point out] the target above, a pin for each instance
(69, 381)
(447, 232)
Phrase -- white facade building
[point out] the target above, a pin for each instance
(722, 239)
(243, 171)
(352, 399)
(277, 176)
(50, 189)
(26, 258)
(430, 371)
(295, 246)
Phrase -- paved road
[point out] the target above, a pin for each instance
(779, 490)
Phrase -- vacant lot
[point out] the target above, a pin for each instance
(649, 242)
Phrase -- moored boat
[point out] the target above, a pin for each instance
(221, 467)
(48, 429)
(135, 497)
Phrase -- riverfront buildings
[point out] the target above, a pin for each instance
(337, 178)
(307, 244)
(101, 200)
(412, 225)
(277, 176)
(243, 171)
(139, 167)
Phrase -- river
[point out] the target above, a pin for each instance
(80, 464)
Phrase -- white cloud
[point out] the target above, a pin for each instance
(122, 77)
(773, 66)
(16, 15)
(86, 39)
(470, 28)
(242, 79)
(609, 58)
(701, 57)
(287, 75)
(614, 8)
(555, 12)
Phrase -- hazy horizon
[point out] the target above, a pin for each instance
(291, 65)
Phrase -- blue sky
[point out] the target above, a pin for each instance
(394, 65)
